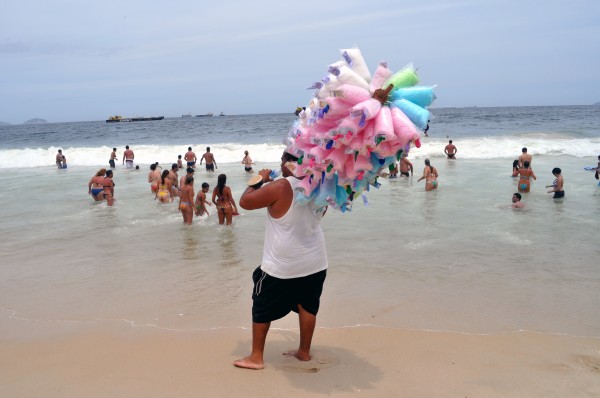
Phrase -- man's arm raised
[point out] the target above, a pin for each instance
(276, 195)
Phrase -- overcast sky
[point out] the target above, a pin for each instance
(85, 60)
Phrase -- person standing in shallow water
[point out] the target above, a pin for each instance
(128, 157)
(153, 178)
(515, 172)
(61, 160)
(163, 194)
(109, 188)
(557, 185)
(294, 263)
(525, 176)
(211, 163)
(247, 162)
(224, 201)
(430, 174)
(186, 200)
(525, 157)
(450, 150)
(113, 158)
(405, 165)
(201, 201)
(96, 185)
(190, 158)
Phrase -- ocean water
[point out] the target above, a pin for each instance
(458, 258)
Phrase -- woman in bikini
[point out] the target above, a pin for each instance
(430, 174)
(164, 189)
(153, 178)
(186, 200)
(109, 188)
(525, 175)
(96, 187)
(223, 200)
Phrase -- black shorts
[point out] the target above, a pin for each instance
(248, 168)
(559, 194)
(404, 173)
(274, 298)
(210, 167)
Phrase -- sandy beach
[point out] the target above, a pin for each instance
(116, 359)
(448, 293)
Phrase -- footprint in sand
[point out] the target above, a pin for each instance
(590, 362)
(320, 360)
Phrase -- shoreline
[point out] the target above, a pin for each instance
(111, 360)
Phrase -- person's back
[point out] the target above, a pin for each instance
(450, 150)
(128, 157)
(294, 243)
(113, 157)
(525, 175)
(190, 158)
(211, 164)
(525, 157)
(208, 158)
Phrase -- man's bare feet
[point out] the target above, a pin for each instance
(298, 355)
(248, 363)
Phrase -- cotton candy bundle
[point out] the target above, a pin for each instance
(356, 125)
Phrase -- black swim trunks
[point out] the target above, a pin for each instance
(248, 168)
(274, 298)
(559, 194)
(210, 167)
(404, 173)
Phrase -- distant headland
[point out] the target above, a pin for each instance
(35, 121)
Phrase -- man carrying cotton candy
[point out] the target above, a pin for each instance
(294, 264)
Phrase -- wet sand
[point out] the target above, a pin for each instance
(110, 359)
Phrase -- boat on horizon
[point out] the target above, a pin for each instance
(186, 115)
(205, 115)
(222, 114)
(116, 118)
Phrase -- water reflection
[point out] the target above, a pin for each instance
(227, 240)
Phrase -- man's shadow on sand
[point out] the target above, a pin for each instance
(332, 369)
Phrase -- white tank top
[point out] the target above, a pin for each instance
(294, 244)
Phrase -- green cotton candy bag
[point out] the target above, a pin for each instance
(406, 77)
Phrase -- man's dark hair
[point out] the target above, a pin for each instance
(204, 185)
(289, 157)
(518, 195)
